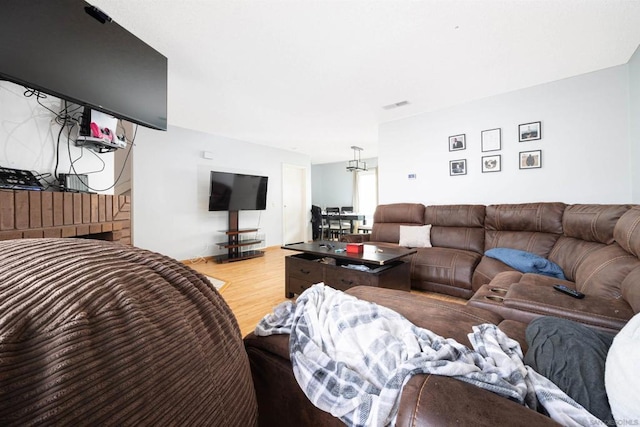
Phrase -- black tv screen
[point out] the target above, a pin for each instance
(62, 48)
(237, 192)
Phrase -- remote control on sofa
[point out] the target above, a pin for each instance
(566, 290)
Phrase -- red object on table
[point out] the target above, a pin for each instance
(355, 248)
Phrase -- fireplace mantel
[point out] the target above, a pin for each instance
(37, 214)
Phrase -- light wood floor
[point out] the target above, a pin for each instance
(255, 286)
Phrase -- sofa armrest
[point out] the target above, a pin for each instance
(281, 401)
(607, 313)
(425, 399)
(435, 400)
(355, 238)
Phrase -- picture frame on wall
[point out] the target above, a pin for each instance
(531, 159)
(530, 131)
(457, 142)
(458, 167)
(491, 139)
(492, 163)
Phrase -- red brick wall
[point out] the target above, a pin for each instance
(34, 214)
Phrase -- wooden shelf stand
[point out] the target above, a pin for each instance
(235, 244)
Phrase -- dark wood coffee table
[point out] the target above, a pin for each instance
(329, 262)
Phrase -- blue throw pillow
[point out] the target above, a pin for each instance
(526, 262)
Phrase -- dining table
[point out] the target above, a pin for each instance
(351, 217)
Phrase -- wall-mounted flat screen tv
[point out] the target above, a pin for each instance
(71, 50)
(237, 192)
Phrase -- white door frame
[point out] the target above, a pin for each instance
(305, 208)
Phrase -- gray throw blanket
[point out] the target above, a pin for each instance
(352, 358)
(573, 356)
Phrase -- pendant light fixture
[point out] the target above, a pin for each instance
(355, 164)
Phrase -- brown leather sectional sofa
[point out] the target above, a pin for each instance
(597, 247)
(427, 400)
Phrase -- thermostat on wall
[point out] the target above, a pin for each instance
(412, 176)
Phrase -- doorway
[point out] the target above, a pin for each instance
(296, 215)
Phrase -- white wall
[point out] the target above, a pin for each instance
(590, 151)
(28, 140)
(171, 190)
(585, 146)
(634, 122)
(332, 185)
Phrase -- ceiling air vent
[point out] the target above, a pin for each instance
(395, 105)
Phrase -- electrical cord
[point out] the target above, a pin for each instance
(258, 227)
(55, 168)
(69, 152)
(70, 118)
(63, 117)
(124, 164)
(42, 177)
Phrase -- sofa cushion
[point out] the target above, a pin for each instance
(593, 223)
(569, 253)
(448, 319)
(531, 241)
(465, 238)
(538, 217)
(534, 296)
(443, 266)
(412, 236)
(627, 231)
(531, 227)
(630, 289)
(387, 220)
(409, 213)
(388, 232)
(457, 226)
(539, 280)
(526, 262)
(455, 215)
(603, 271)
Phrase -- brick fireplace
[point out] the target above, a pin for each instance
(37, 214)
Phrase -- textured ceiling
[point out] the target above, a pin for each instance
(313, 76)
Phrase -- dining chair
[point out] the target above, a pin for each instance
(317, 222)
(365, 228)
(336, 226)
(348, 224)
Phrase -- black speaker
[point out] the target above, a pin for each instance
(76, 183)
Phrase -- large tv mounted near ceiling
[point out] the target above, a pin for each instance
(76, 52)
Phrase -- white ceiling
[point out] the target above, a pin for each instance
(313, 75)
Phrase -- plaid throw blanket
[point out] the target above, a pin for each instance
(352, 358)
